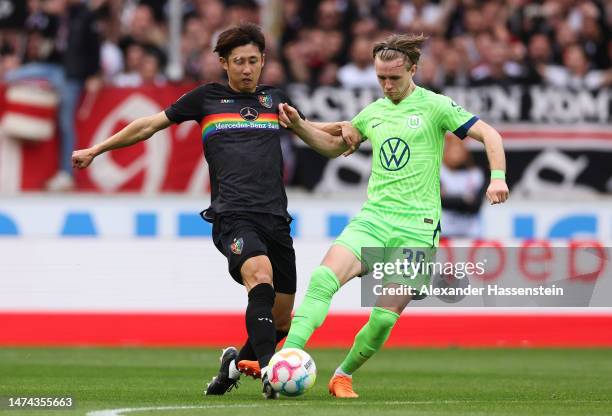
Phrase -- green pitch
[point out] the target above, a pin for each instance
(395, 382)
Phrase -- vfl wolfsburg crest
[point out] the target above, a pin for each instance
(265, 100)
(236, 246)
(414, 121)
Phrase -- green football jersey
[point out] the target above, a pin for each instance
(407, 143)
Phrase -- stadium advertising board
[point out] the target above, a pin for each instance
(314, 218)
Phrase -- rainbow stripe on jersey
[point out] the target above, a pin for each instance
(230, 121)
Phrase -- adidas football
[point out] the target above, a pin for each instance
(291, 372)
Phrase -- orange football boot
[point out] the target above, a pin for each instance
(249, 368)
(342, 386)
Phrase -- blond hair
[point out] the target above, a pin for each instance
(396, 46)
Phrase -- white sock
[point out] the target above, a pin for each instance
(234, 374)
(339, 372)
(264, 372)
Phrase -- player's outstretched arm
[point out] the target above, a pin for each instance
(497, 192)
(138, 130)
(324, 143)
(334, 127)
(350, 135)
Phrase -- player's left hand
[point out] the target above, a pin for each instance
(288, 116)
(351, 137)
(497, 192)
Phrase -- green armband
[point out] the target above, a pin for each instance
(498, 174)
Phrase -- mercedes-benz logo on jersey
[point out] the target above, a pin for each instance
(249, 114)
(394, 154)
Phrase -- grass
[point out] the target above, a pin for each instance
(395, 382)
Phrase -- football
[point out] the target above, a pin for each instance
(291, 372)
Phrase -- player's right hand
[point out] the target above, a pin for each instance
(82, 158)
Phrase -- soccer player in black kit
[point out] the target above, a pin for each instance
(241, 139)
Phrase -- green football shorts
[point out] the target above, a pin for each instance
(377, 243)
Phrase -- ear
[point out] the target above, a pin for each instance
(263, 59)
(223, 62)
(413, 70)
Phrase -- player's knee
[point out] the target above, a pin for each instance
(323, 283)
(382, 320)
(342, 263)
(261, 277)
(255, 271)
(257, 278)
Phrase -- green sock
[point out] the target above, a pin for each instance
(313, 310)
(369, 339)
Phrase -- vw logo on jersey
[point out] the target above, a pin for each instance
(394, 154)
(249, 114)
(414, 121)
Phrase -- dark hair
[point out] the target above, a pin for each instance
(156, 53)
(400, 46)
(243, 34)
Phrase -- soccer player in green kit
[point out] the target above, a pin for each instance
(406, 129)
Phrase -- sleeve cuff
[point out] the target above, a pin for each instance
(170, 115)
(462, 130)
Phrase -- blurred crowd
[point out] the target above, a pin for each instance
(563, 43)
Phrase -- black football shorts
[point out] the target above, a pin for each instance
(242, 235)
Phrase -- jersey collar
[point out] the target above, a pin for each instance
(417, 91)
(258, 89)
